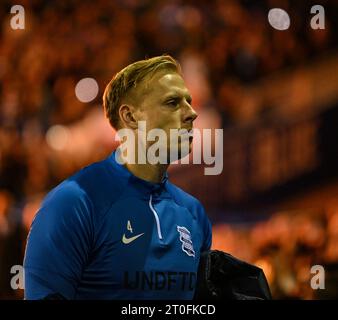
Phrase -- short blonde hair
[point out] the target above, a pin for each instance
(129, 78)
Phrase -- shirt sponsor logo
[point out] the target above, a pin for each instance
(159, 280)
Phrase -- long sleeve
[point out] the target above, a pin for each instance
(59, 243)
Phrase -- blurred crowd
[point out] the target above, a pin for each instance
(221, 45)
(288, 246)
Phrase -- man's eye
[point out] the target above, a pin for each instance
(172, 102)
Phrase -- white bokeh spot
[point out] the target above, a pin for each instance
(86, 89)
(57, 137)
(279, 19)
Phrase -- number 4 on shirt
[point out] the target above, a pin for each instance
(129, 228)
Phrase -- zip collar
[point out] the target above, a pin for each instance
(147, 189)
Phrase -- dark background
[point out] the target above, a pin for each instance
(275, 94)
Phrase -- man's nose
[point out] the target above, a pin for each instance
(190, 114)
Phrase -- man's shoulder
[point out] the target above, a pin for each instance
(94, 175)
(184, 198)
(96, 183)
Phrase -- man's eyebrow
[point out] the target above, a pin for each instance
(178, 96)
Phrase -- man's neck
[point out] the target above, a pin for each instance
(149, 172)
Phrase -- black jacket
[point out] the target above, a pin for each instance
(224, 277)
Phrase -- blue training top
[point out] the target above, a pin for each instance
(106, 234)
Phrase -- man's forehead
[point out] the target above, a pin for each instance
(170, 79)
(165, 82)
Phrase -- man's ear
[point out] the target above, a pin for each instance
(127, 113)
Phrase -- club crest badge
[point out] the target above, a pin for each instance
(185, 238)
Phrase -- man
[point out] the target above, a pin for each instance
(123, 231)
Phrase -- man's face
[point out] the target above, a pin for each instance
(167, 105)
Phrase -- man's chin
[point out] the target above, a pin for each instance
(179, 153)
